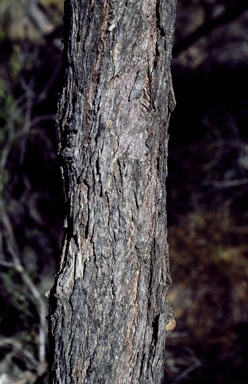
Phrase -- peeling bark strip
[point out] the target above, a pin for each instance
(108, 307)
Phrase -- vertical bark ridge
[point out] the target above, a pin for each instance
(108, 307)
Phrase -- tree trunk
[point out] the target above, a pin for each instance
(109, 313)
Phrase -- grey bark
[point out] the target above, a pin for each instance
(109, 313)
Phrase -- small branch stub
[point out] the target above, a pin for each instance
(171, 325)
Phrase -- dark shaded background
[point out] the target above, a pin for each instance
(207, 189)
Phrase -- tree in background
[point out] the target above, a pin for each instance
(109, 312)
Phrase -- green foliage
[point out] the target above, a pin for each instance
(15, 62)
(18, 302)
(6, 106)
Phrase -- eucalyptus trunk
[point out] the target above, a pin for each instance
(109, 313)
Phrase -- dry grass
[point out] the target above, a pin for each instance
(209, 266)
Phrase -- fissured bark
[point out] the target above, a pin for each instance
(109, 312)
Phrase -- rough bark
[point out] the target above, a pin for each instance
(109, 313)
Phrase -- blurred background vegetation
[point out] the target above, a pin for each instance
(207, 189)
